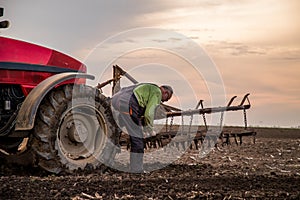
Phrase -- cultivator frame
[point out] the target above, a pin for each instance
(212, 134)
(215, 135)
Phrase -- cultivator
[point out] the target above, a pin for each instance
(189, 135)
(194, 135)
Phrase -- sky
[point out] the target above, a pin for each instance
(205, 49)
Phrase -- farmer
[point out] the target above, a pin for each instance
(134, 109)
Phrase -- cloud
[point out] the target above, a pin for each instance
(254, 43)
(68, 28)
(234, 48)
(289, 54)
(272, 52)
(159, 40)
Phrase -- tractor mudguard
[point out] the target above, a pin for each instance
(26, 116)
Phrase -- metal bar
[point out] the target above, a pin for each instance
(244, 99)
(199, 103)
(116, 79)
(208, 110)
(222, 113)
(117, 73)
(245, 119)
(101, 85)
(124, 73)
(203, 115)
(231, 100)
(168, 107)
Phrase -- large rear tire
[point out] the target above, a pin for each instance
(73, 128)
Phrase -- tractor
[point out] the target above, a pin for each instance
(50, 117)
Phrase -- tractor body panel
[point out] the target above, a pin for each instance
(23, 66)
(27, 112)
(27, 64)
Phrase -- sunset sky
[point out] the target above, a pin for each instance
(254, 46)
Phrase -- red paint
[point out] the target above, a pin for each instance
(15, 51)
(18, 51)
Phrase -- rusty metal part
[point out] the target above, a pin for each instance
(101, 85)
(117, 73)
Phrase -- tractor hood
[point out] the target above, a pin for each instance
(16, 51)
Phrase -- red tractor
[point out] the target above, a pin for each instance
(47, 112)
(49, 116)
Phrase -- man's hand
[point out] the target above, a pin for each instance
(149, 134)
(153, 133)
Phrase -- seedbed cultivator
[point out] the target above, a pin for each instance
(195, 135)
(190, 134)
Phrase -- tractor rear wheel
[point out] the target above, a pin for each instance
(73, 128)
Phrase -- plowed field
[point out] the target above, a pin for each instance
(268, 169)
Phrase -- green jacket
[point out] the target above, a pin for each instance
(149, 97)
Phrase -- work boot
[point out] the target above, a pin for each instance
(136, 162)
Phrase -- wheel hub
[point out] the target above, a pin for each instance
(77, 132)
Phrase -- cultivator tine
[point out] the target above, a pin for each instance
(177, 145)
(244, 99)
(196, 144)
(183, 145)
(159, 142)
(231, 100)
(222, 113)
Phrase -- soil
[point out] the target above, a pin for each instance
(268, 169)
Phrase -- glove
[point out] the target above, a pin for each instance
(153, 133)
(149, 134)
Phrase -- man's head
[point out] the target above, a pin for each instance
(166, 92)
